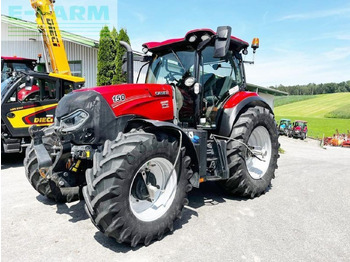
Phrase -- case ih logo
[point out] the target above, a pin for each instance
(162, 93)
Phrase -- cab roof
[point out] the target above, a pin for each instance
(15, 58)
(236, 43)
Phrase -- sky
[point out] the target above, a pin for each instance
(301, 42)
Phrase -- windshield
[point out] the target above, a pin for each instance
(7, 83)
(301, 124)
(171, 67)
(218, 78)
(9, 67)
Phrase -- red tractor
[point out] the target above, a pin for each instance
(299, 129)
(14, 63)
(134, 151)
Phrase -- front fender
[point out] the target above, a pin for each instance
(234, 106)
(170, 127)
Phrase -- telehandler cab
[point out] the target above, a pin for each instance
(29, 97)
(135, 150)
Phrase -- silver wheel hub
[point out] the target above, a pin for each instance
(258, 159)
(153, 189)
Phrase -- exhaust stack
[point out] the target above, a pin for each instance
(129, 62)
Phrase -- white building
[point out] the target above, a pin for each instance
(21, 38)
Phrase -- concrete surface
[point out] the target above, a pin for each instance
(304, 217)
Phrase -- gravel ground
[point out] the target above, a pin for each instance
(303, 217)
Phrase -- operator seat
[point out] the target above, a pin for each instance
(209, 83)
(179, 100)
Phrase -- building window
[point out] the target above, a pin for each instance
(76, 68)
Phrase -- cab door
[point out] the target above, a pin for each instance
(33, 101)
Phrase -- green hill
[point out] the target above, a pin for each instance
(324, 113)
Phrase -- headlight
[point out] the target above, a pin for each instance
(74, 120)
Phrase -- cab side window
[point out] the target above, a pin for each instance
(12, 98)
(67, 87)
(47, 89)
(34, 90)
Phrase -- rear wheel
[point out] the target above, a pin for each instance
(303, 136)
(134, 192)
(251, 170)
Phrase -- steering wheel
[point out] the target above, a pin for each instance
(171, 77)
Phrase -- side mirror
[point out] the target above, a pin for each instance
(29, 82)
(144, 58)
(222, 41)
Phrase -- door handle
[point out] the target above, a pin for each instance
(10, 115)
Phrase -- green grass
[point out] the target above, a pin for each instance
(315, 109)
(341, 112)
(284, 100)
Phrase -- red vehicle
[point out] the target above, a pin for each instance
(26, 93)
(10, 64)
(299, 129)
(134, 151)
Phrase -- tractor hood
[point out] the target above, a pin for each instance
(87, 116)
(93, 115)
(153, 101)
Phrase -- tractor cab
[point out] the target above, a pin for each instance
(203, 79)
(11, 64)
(285, 126)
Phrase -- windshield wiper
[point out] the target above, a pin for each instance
(178, 59)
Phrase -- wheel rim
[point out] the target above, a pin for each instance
(260, 143)
(153, 189)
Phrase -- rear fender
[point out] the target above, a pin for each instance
(235, 106)
(168, 127)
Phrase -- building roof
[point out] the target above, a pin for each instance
(268, 90)
(78, 39)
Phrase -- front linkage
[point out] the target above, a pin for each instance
(54, 166)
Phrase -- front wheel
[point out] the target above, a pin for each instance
(253, 153)
(134, 192)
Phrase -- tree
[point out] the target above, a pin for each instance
(119, 77)
(105, 58)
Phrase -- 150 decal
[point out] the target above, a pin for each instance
(118, 98)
